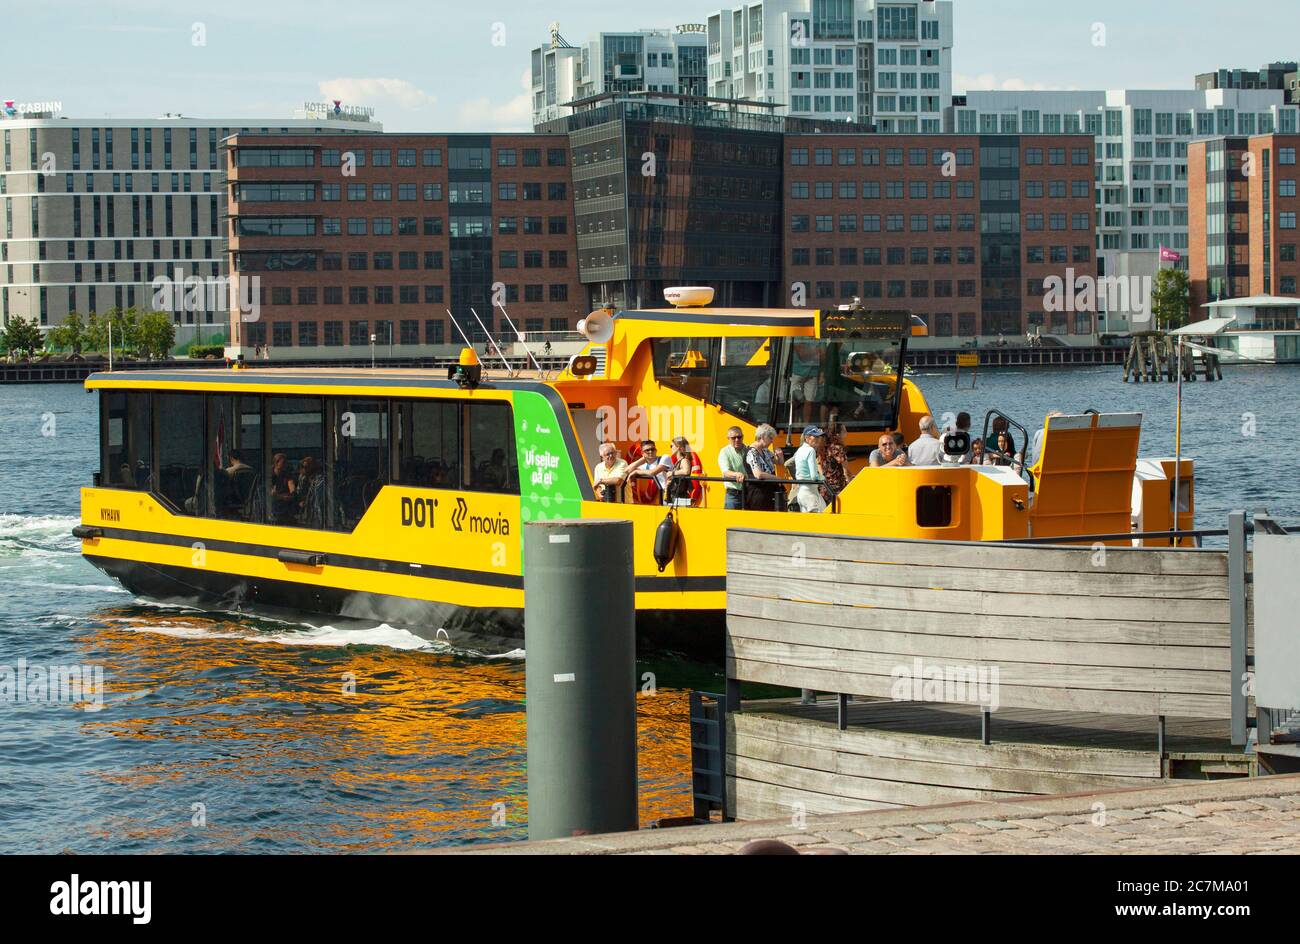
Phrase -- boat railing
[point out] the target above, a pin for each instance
(833, 506)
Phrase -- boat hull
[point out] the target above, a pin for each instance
(696, 631)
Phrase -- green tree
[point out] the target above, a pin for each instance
(1171, 299)
(125, 323)
(22, 336)
(95, 335)
(156, 334)
(70, 335)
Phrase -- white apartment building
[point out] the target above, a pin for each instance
(647, 60)
(1141, 155)
(863, 61)
(94, 209)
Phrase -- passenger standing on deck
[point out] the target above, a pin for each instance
(731, 460)
(611, 473)
(834, 459)
(762, 460)
(806, 469)
(926, 450)
(685, 464)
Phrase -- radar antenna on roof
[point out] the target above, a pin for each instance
(558, 41)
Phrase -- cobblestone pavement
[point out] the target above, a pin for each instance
(1229, 817)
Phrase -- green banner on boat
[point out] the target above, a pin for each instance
(548, 488)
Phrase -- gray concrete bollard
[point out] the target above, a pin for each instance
(580, 640)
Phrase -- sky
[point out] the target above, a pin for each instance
(440, 66)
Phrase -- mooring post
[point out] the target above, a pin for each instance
(580, 669)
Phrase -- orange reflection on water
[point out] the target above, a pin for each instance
(334, 748)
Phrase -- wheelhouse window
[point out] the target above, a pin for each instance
(854, 379)
(686, 364)
(744, 380)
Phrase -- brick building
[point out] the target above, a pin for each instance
(960, 229)
(1242, 226)
(384, 234)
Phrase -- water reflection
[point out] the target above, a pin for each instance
(310, 748)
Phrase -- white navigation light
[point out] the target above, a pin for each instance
(597, 327)
(687, 296)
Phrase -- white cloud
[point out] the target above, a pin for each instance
(377, 92)
(988, 81)
(516, 114)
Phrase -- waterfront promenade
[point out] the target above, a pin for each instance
(1224, 817)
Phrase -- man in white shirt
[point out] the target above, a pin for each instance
(610, 474)
(651, 465)
(927, 449)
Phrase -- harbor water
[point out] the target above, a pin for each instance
(221, 732)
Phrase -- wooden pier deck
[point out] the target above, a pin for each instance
(1230, 817)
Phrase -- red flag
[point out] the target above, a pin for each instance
(1168, 255)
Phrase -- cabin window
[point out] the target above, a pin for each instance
(361, 443)
(307, 462)
(854, 379)
(234, 451)
(181, 482)
(744, 380)
(490, 433)
(296, 480)
(126, 428)
(686, 364)
(428, 443)
(452, 445)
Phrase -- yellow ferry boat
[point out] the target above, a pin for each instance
(399, 494)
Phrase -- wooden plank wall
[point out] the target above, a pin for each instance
(1136, 631)
(776, 761)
